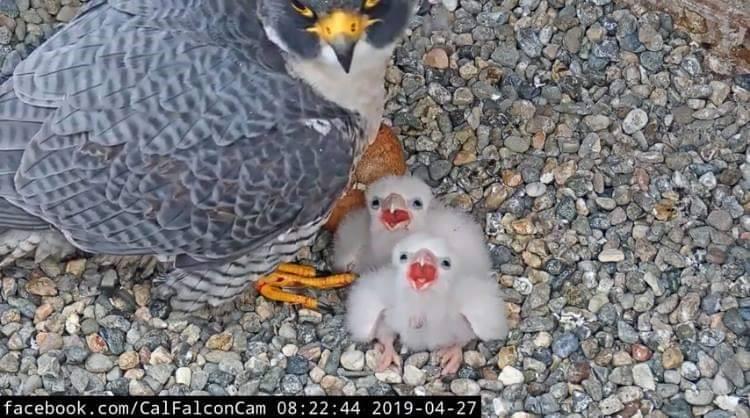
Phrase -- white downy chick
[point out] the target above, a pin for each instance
(466, 236)
(432, 296)
(396, 206)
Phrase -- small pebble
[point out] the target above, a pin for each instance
(511, 376)
(353, 360)
(611, 256)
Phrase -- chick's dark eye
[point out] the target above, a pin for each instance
(375, 203)
(403, 257)
(446, 263)
(417, 204)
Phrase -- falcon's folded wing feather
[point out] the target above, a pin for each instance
(170, 127)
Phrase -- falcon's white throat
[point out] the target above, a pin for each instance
(360, 90)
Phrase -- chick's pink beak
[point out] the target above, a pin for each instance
(422, 271)
(394, 214)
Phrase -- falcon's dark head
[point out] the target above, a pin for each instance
(312, 29)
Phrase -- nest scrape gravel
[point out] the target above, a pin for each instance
(607, 157)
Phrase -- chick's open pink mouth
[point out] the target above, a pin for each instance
(421, 276)
(395, 218)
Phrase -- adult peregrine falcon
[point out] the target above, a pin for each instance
(217, 134)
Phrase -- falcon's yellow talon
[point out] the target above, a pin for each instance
(329, 282)
(297, 269)
(289, 275)
(274, 293)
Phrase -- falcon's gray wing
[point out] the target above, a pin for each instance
(170, 127)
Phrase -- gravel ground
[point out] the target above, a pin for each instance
(607, 157)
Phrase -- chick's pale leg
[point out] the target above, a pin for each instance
(451, 358)
(388, 353)
(289, 275)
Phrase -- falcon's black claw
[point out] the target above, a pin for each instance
(424, 8)
(325, 308)
(323, 273)
(160, 308)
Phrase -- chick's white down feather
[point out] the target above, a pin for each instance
(369, 297)
(362, 242)
(350, 240)
(466, 238)
(464, 303)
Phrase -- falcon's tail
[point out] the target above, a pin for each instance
(12, 217)
(18, 125)
(194, 289)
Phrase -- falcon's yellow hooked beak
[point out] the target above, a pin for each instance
(342, 29)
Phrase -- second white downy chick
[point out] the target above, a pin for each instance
(465, 235)
(396, 206)
(431, 296)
